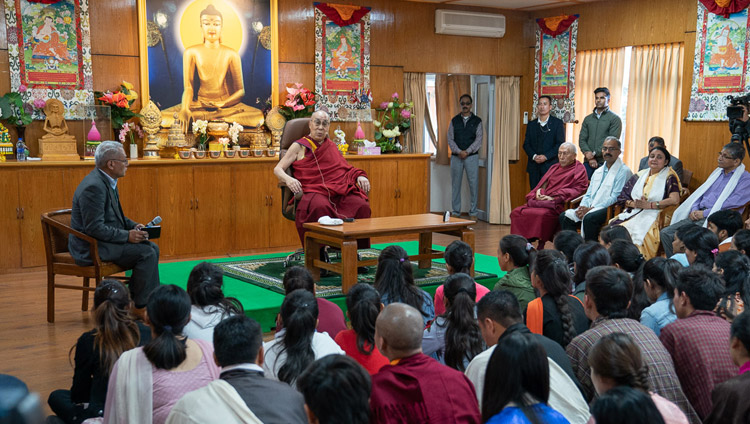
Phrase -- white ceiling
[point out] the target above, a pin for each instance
(510, 4)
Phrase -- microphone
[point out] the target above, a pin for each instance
(155, 221)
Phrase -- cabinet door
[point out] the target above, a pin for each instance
(36, 195)
(384, 182)
(413, 186)
(175, 205)
(283, 231)
(212, 191)
(138, 194)
(10, 235)
(73, 176)
(251, 191)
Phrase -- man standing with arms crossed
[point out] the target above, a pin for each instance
(597, 126)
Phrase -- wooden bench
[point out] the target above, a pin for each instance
(345, 237)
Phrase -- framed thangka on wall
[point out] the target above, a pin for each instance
(342, 61)
(209, 59)
(555, 64)
(49, 52)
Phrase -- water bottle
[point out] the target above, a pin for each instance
(20, 150)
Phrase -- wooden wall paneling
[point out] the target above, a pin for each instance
(250, 210)
(10, 248)
(296, 32)
(72, 177)
(4, 67)
(290, 73)
(175, 204)
(35, 197)
(212, 191)
(110, 20)
(110, 70)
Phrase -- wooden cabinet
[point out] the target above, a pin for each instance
(208, 207)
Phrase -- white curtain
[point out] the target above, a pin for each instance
(415, 90)
(507, 125)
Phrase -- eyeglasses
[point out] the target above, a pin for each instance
(609, 149)
(318, 123)
(125, 161)
(465, 104)
(727, 157)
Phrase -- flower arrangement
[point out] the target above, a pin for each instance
(15, 111)
(234, 134)
(200, 128)
(394, 119)
(120, 103)
(300, 102)
(130, 129)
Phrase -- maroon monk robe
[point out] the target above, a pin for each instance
(418, 389)
(329, 186)
(540, 218)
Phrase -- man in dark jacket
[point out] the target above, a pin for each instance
(544, 135)
(465, 134)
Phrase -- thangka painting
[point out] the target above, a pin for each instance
(342, 61)
(555, 64)
(208, 59)
(720, 66)
(49, 52)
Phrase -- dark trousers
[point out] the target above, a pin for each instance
(143, 259)
(61, 404)
(589, 169)
(592, 223)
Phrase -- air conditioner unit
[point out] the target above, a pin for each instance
(471, 24)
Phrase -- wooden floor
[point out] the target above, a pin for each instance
(38, 352)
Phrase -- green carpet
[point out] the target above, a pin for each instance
(263, 304)
(269, 273)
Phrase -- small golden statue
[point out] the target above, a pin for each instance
(176, 138)
(150, 120)
(57, 144)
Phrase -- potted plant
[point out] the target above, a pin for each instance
(394, 120)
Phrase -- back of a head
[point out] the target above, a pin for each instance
(662, 272)
(237, 340)
(205, 288)
(519, 249)
(298, 277)
(394, 279)
(741, 240)
(400, 325)
(726, 219)
(116, 329)
(628, 257)
(519, 368)
(701, 285)
(566, 241)
(735, 269)
(299, 314)
(337, 390)
(741, 329)
(459, 256)
(463, 338)
(626, 405)
(617, 357)
(611, 233)
(17, 404)
(500, 306)
(704, 243)
(589, 255)
(168, 312)
(552, 269)
(363, 305)
(610, 289)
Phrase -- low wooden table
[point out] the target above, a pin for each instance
(345, 237)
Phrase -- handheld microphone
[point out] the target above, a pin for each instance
(155, 221)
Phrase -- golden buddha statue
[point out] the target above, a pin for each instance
(212, 78)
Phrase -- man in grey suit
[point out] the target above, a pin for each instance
(675, 163)
(97, 212)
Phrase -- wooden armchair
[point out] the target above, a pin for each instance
(56, 228)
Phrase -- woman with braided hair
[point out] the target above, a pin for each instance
(615, 360)
(555, 313)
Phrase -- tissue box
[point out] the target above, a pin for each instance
(362, 150)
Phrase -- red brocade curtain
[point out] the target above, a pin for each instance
(725, 7)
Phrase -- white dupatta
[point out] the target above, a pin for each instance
(639, 221)
(602, 193)
(217, 402)
(132, 401)
(684, 209)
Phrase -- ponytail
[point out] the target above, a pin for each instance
(521, 252)
(299, 313)
(552, 269)
(463, 338)
(205, 289)
(394, 279)
(168, 311)
(116, 329)
(363, 304)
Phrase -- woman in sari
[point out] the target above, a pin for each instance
(644, 196)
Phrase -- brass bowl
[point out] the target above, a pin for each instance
(257, 153)
(214, 154)
(244, 153)
(217, 126)
(184, 154)
(200, 154)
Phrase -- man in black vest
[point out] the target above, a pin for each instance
(544, 136)
(465, 135)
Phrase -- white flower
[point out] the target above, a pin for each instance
(234, 131)
(199, 126)
(375, 123)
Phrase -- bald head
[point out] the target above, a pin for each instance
(398, 331)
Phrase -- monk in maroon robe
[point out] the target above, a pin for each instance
(330, 185)
(564, 181)
(415, 388)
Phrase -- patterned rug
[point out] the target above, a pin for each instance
(269, 273)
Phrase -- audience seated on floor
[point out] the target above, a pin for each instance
(297, 344)
(210, 306)
(608, 292)
(538, 219)
(458, 258)
(96, 352)
(734, 267)
(556, 313)
(519, 389)
(611, 233)
(615, 360)
(724, 224)
(627, 257)
(659, 275)
(515, 255)
(625, 405)
(729, 399)
(330, 317)
(241, 394)
(566, 242)
(741, 241)
(678, 247)
(728, 187)
(394, 281)
(587, 256)
(146, 382)
(416, 388)
(701, 246)
(675, 163)
(499, 315)
(362, 308)
(644, 197)
(336, 390)
(453, 338)
(698, 340)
